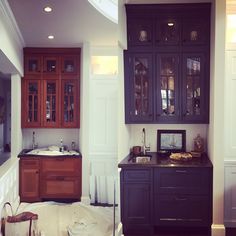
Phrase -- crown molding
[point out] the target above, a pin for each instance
(10, 20)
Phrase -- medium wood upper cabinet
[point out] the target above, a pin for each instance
(167, 63)
(50, 88)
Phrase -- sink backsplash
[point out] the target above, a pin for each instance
(192, 130)
(47, 137)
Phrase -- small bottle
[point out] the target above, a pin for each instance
(61, 147)
(198, 144)
(73, 145)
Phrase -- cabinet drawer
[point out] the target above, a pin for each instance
(182, 180)
(182, 210)
(61, 166)
(61, 187)
(29, 164)
(140, 175)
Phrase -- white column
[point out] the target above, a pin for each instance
(216, 128)
(16, 133)
(84, 120)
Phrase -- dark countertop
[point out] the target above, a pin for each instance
(160, 161)
(24, 154)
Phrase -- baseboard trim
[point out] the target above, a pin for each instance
(217, 230)
(85, 200)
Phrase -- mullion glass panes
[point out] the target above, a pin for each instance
(69, 66)
(193, 86)
(169, 32)
(51, 102)
(69, 91)
(51, 65)
(33, 65)
(167, 77)
(141, 86)
(33, 102)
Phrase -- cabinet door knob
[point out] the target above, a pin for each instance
(36, 172)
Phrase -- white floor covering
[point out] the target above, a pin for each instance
(56, 218)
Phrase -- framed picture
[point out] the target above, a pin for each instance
(171, 140)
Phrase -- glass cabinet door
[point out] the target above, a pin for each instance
(32, 64)
(140, 32)
(139, 90)
(51, 113)
(69, 106)
(194, 104)
(32, 104)
(168, 32)
(167, 87)
(69, 64)
(50, 65)
(194, 32)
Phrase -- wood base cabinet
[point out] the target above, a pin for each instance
(157, 199)
(50, 178)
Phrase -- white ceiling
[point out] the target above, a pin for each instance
(72, 22)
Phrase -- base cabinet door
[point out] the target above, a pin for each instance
(136, 202)
(29, 180)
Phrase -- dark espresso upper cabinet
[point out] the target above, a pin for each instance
(167, 63)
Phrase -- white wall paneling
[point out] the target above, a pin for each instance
(103, 132)
(230, 194)
(9, 185)
(229, 108)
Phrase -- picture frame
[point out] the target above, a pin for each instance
(171, 140)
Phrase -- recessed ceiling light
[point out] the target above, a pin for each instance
(47, 9)
(51, 37)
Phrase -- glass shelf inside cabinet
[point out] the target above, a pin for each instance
(193, 86)
(141, 86)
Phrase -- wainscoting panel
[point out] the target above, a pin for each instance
(230, 195)
(9, 185)
(103, 180)
(230, 101)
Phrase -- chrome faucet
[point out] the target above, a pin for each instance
(145, 148)
(34, 144)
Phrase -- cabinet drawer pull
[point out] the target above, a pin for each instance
(181, 171)
(180, 199)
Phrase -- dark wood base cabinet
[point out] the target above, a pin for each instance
(161, 200)
(50, 179)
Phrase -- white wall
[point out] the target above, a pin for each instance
(192, 130)
(48, 137)
(11, 39)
